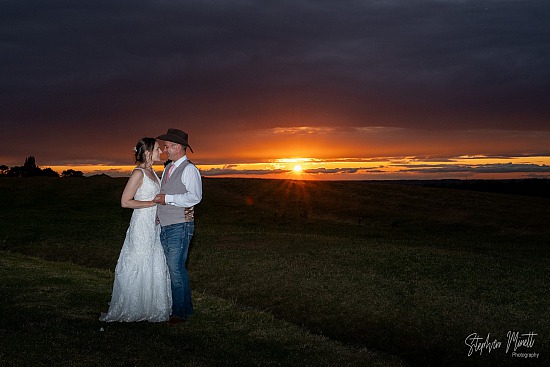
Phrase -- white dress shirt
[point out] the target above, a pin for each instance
(191, 178)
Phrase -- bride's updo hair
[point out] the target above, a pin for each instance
(142, 146)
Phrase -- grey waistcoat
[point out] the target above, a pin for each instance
(171, 214)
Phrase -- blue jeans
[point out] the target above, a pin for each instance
(175, 241)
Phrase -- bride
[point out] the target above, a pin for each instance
(141, 290)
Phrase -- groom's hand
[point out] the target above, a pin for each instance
(160, 199)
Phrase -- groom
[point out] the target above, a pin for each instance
(181, 190)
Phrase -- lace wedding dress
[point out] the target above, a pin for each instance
(141, 290)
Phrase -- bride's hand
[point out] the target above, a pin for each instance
(160, 199)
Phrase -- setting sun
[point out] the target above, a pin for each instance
(297, 168)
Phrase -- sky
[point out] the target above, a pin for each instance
(370, 89)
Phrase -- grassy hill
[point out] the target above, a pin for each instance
(406, 270)
(49, 318)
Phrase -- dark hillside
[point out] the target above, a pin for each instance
(402, 268)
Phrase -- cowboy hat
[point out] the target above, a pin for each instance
(176, 136)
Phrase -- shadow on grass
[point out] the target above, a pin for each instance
(50, 313)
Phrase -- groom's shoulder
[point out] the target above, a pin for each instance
(192, 166)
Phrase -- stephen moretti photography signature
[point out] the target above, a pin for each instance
(519, 345)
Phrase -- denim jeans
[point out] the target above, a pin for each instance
(175, 241)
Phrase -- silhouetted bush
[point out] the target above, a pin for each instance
(28, 169)
(72, 173)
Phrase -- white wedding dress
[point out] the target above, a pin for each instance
(141, 290)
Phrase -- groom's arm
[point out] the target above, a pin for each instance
(191, 178)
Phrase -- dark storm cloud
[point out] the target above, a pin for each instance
(482, 168)
(497, 168)
(114, 64)
(427, 169)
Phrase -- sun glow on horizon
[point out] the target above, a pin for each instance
(381, 168)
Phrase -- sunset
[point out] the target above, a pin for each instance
(353, 91)
(401, 168)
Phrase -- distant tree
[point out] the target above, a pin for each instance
(48, 172)
(30, 162)
(72, 173)
(4, 170)
(101, 175)
(29, 168)
(16, 171)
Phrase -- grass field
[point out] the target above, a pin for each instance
(283, 273)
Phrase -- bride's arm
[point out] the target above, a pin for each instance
(127, 199)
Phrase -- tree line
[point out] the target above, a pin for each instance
(30, 169)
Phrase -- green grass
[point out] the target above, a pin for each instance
(50, 313)
(406, 270)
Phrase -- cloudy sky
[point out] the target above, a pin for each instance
(346, 89)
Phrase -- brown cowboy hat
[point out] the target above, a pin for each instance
(176, 136)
